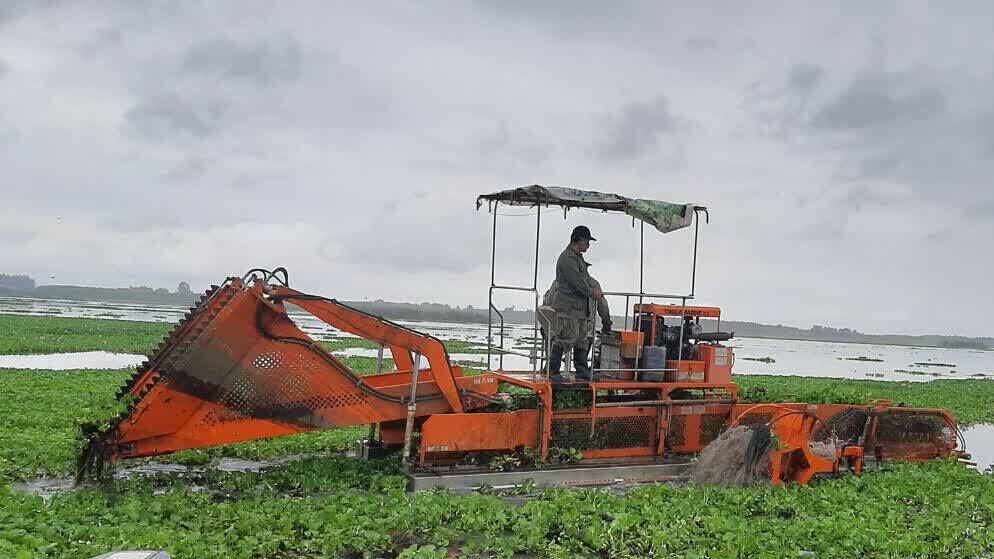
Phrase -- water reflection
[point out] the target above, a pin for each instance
(980, 444)
(67, 361)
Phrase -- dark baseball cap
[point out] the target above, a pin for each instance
(581, 232)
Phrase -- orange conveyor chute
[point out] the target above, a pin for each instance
(237, 368)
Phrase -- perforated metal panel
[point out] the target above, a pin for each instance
(275, 387)
(268, 360)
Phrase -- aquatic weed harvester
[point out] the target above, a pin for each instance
(237, 368)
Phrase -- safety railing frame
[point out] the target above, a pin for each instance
(641, 294)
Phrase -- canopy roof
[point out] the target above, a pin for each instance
(664, 216)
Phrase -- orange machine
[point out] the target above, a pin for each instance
(237, 368)
(686, 352)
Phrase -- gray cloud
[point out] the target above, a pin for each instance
(170, 116)
(896, 135)
(568, 13)
(877, 100)
(803, 78)
(636, 131)
(500, 148)
(781, 106)
(211, 86)
(501, 144)
(829, 228)
(262, 63)
(387, 238)
(189, 169)
(701, 44)
(12, 9)
(981, 210)
(862, 196)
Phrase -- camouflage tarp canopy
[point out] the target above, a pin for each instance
(664, 216)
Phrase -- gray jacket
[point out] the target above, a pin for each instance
(603, 310)
(574, 287)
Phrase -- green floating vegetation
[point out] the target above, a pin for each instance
(331, 506)
(40, 412)
(861, 358)
(932, 364)
(760, 359)
(39, 416)
(970, 401)
(466, 346)
(20, 334)
(307, 476)
(940, 509)
(367, 365)
(340, 344)
(467, 363)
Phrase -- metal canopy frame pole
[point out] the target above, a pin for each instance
(639, 342)
(693, 269)
(491, 309)
(490, 295)
(693, 287)
(538, 235)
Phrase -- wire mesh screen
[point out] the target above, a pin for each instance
(712, 426)
(755, 418)
(676, 435)
(847, 427)
(275, 386)
(609, 432)
(897, 431)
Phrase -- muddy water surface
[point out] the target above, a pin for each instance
(49, 487)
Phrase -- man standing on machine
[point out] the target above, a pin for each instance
(603, 311)
(572, 305)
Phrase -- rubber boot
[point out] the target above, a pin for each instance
(580, 364)
(555, 364)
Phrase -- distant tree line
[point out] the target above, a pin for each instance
(22, 283)
(828, 334)
(24, 286)
(445, 313)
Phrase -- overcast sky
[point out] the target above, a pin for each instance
(846, 151)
